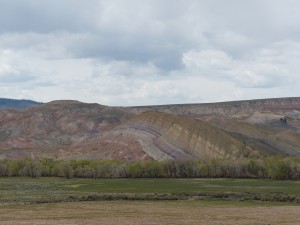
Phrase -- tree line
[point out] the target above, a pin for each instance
(269, 167)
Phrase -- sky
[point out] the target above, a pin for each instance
(149, 52)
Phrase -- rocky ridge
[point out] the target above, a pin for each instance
(71, 129)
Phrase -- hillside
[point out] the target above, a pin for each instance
(19, 104)
(75, 130)
(268, 109)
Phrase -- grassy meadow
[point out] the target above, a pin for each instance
(39, 190)
(219, 201)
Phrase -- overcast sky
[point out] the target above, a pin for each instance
(142, 52)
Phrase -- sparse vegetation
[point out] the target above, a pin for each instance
(77, 199)
(50, 189)
(271, 167)
(154, 213)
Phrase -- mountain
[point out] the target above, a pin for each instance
(13, 103)
(76, 130)
(54, 126)
(270, 109)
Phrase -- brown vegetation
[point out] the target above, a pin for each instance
(152, 213)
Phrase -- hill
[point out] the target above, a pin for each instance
(76, 130)
(13, 103)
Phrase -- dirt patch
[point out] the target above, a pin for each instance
(181, 212)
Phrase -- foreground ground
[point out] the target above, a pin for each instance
(64, 201)
(151, 212)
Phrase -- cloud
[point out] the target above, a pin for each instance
(149, 52)
(264, 68)
(44, 16)
(15, 78)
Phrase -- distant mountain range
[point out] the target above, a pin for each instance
(19, 104)
(75, 130)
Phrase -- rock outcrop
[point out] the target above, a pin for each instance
(71, 129)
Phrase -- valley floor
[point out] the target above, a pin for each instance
(207, 201)
(151, 212)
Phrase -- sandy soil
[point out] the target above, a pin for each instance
(152, 213)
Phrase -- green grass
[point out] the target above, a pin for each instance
(16, 189)
(180, 185)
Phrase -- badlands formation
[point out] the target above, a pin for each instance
(76, 130)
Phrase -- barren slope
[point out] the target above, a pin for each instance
(55, 125)
(165, 136)
(274, 138)
(71, 129)
(262, 110)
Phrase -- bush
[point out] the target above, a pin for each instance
(270, 167)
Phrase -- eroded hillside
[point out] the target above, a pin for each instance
(71, 129)
(54, 126)
(263, 110)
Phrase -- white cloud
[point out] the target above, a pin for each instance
(263, 68)
(152, 52)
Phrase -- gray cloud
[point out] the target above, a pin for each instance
(164, 54)
(16, 78)
(44, 16)
(122, 49)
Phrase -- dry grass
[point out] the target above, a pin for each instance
(160, 212)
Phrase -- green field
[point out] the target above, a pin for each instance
(19, 190)
(199, 201)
